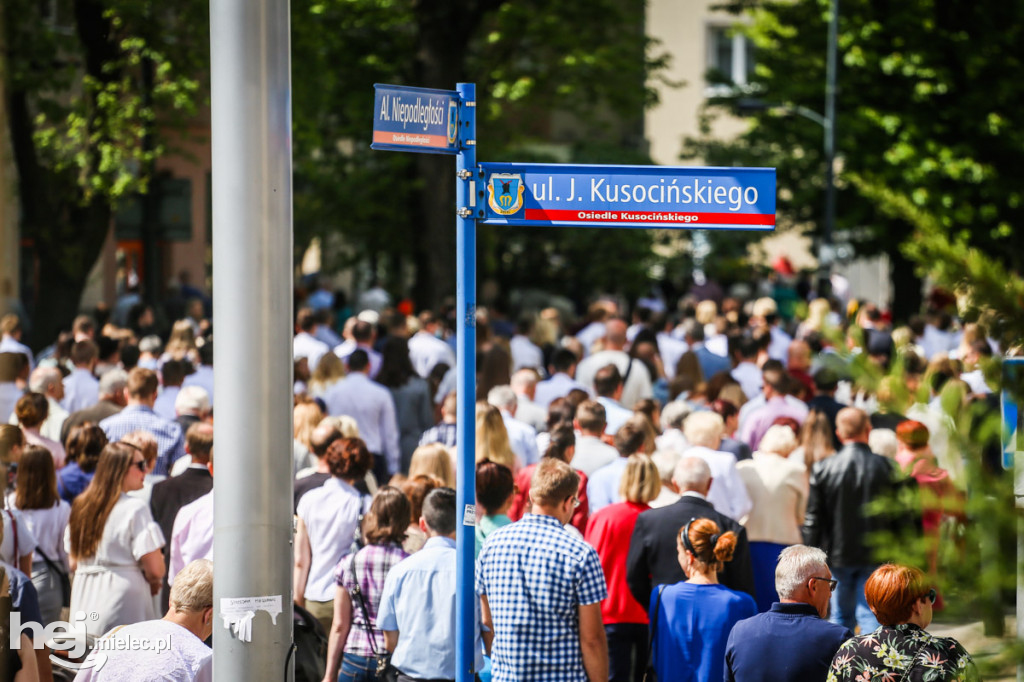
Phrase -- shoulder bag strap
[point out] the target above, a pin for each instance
(14, 529)
(654, 627)
(357, 593)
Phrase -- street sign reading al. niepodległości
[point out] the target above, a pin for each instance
(415, 120)
(628, 196)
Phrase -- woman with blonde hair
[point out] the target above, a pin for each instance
(778, 490)
(181, 345)
(816, 441)
(691, 620)
(115, 544)
(609, 532)
(492, 437)
(817, 318)
(433, 460)
(329, 371)
(305, 417)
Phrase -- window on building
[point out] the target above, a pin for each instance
(730, 59)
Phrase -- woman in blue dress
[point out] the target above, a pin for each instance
(691, 620)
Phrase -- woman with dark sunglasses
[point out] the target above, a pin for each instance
(115, 544)
(901, 649)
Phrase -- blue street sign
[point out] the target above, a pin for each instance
(628, 196)
(415, 120)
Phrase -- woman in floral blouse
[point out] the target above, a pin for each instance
(900, 650)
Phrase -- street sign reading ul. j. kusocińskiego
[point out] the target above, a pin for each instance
(628, 196)
(415, 119)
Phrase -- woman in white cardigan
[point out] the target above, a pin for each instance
(778, 489)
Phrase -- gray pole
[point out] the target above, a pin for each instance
(825, 248)
(252, 286)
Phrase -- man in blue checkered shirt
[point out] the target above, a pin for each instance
(140, 393)
(541, 590)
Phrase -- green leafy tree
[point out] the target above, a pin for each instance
(547, 73)
(928, 106)
(90, 84)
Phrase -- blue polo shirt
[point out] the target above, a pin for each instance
(419, 602)
(789, 642)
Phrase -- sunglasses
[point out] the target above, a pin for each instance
(832, 582)
(140, 465)
(931, 595)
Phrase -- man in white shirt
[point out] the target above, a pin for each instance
(13, 374)
(171, 648)
(425, 349)
(597, 313)
(562, 370)
(525, 353)
(203, 376)
(636, 378)
(363, 335)
(603, 486)
(746, 372)
(10, 342)
(524, 384)
(767, 312)
(591, 452)
(703, 430)
(608, 385)
(373, 408)
(306, 345)
(81, 388)
(522, 437)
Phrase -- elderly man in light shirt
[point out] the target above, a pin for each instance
(522, 437)
(524, 384)
(703, 430)
(591, 452)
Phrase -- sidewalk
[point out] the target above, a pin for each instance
(972, 636)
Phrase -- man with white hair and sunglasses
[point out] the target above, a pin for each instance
(794, 640)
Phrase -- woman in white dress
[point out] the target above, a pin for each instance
(115, 545)
(47, 517)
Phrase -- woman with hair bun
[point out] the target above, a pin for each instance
(691, 620)
(327, 526)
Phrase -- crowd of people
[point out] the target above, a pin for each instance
(686, 492)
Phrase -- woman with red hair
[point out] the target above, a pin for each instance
(900, 649)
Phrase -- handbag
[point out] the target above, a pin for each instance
(310, 642)
(64, 578)
(385, 671)
(650, 675)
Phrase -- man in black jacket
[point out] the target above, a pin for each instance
(653, 555)
(171, 495)
(837, 520)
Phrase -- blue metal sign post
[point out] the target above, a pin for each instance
(444, 122)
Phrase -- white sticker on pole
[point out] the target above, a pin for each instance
(238, 613)
(469, 518)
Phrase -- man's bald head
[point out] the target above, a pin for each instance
(692, 474)
(323, 435)
(852, 425)
(615, 334)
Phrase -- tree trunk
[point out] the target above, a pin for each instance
(444, 32)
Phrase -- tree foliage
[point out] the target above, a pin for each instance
(556, 76)
(928, 107)
(85, 122)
